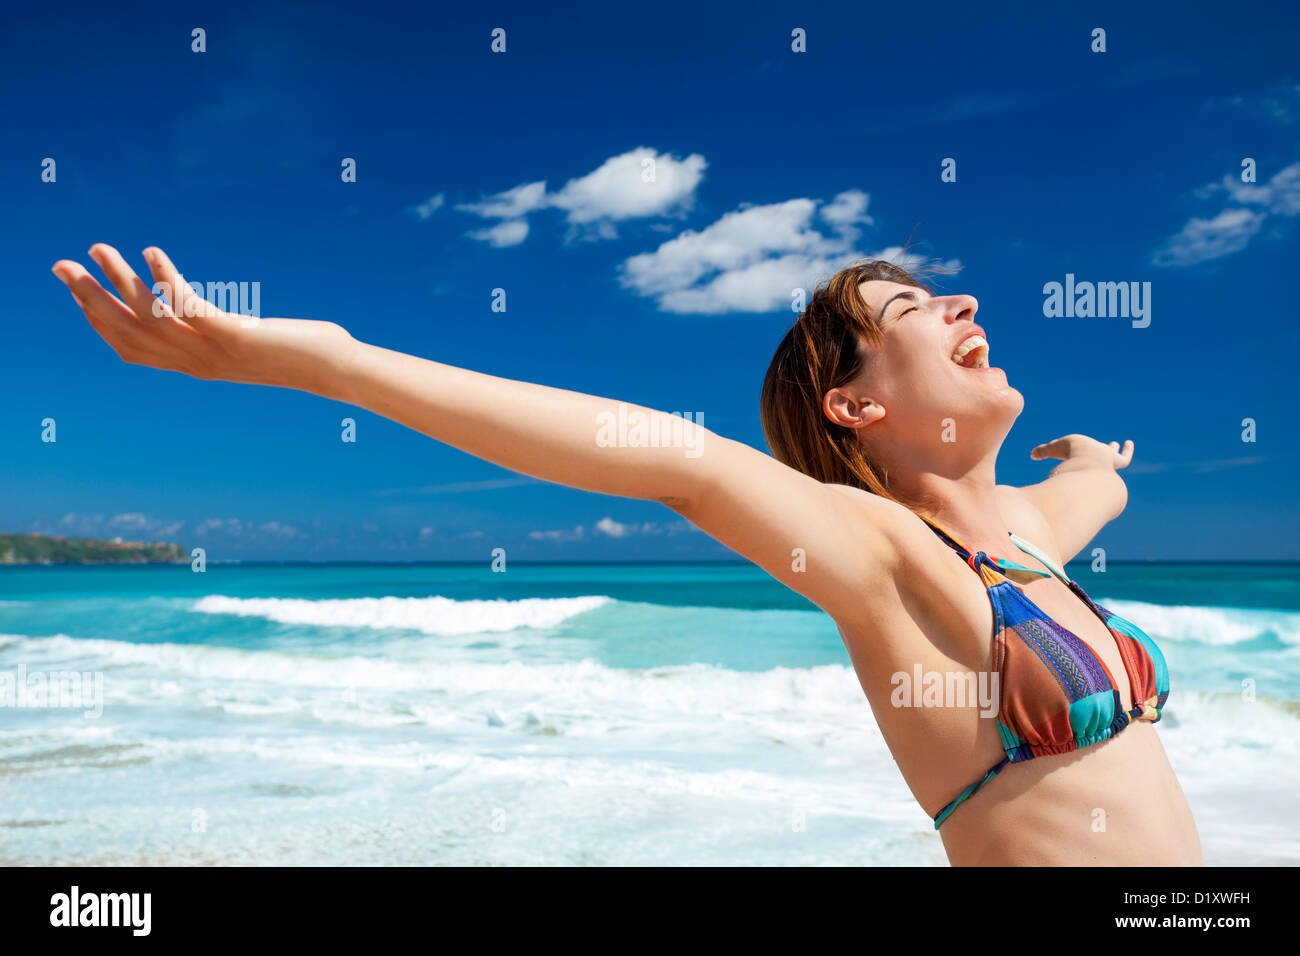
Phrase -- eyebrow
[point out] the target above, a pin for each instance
(884, 311)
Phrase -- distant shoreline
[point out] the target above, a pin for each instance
(38, 549)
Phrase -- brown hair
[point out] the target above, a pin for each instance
(823, 351)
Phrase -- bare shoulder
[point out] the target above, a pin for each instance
(911, 543)
(932, 594)
(1023, 516)
(900, 523)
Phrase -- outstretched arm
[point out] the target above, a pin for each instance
(744, 498)
(1084, 492)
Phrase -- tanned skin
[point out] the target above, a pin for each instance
(897, 593)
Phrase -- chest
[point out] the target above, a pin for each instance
(1068, 611)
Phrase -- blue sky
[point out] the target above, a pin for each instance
(478, 171)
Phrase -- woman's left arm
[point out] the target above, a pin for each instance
(1084, 492)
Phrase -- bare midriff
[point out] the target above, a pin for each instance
(1116, 803)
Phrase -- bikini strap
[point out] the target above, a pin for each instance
(1047, 562)
(980, 560)
(948, 539)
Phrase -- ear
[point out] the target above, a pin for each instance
(843, 407)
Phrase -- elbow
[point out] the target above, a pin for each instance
(1119, 496)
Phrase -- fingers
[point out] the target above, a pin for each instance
(1071, 445)
(115, 323)
(1058, 448)
(109, 316)
(193, 309)
(138, 296)
(63, 272)
(186, 334)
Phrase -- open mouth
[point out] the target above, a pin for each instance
(972, 352)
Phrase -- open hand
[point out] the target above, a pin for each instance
(182, 332)
(1081, 448)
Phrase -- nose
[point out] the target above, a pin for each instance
(960, 308)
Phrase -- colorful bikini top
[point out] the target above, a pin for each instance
(1055, 694)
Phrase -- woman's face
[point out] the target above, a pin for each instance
(929, 379)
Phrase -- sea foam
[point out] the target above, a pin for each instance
(1208, 625)
(430, 615)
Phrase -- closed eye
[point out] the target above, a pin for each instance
(904, 296)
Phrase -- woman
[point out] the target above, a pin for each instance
(1035, 747)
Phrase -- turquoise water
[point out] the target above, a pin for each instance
(551, 714)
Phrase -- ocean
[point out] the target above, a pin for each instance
(552, 714)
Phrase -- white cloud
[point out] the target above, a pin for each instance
(431, 205)
(133, 520)
(511, 204)
(247, 531)
(753, 258)
(609, 528)
(1229, 231)
(1279, 195)
(1204, 239)
(509, 233)
(1220, 464)
(231, 526)
(617, 529)
(571, 534)
(1213, 464)
(614, 529)
(615, 191)
(459, 487)
(279, 530)
(137, 525)
(1282, 193)
(846, 211)
(1281, 104)
(618, 189)
(749, 260)
(737, 240)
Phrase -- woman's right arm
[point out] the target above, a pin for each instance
(834, 545)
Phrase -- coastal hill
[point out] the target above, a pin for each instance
(56, 549)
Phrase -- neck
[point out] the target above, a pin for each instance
(960, 497)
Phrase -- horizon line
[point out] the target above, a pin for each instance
(263, 562)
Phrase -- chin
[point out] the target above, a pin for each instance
(996, 379)
(992, 385)
(1014, 399)
(1010, 404)
(1002, 403)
